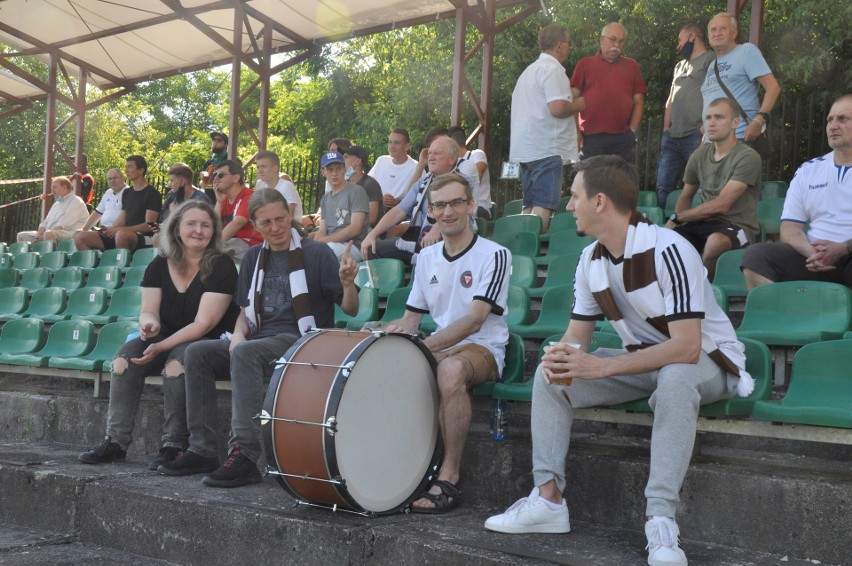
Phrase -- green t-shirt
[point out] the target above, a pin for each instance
(741, 164)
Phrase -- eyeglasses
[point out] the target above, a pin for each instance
(219, 140)
(616, 40)
(441, 205)
(220, 174)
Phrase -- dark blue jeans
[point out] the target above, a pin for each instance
(674, 153)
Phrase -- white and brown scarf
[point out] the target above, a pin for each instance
(298, 287)
(642, 288)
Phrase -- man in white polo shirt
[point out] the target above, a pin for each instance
(544, 127)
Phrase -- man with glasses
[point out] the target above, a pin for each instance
(232, 200)
(463, 282)
(615, 97)
(544, 127)
(394, 171)
(109, 208)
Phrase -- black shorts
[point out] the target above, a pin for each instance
(142, 241)
(698, 232)
(779, 262)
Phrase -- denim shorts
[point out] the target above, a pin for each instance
(541, 181)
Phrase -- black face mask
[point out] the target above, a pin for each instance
(686, 51)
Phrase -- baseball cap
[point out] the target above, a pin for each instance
(332, 157)
(222, 135)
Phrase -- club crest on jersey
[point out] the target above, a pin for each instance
(466, 279)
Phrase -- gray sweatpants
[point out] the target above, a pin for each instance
(677, 391)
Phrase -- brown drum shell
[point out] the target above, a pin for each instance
(312, 394)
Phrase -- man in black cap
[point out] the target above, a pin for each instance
(220, 154)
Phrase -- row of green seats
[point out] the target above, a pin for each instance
(69, 278)
(70, 344)
(84, 259)
(53, 304)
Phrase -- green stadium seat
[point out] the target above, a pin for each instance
(523, 271)
(721, 297)
(773, 189)
(6, 260)
(554, 316)
(728, 274)
(671, 201)
(517, 223)
(769, 216)
(519, 243)
(795, 313)
(9, 277)
(513, 367)
(559, 272)
(847, 335)
(518, 301)
(87, 259)
(395, 306)
(142, 257)
(26, 260)
(124, 304)
(110, 339)
(566, 244)
(21, 336)
(428, 324)
(513, 207)
(69, 278)
(106, 277)
(654, 214)
(563, 205)
(384, 274)
(13, 302)
(820, 388)
(118, 257)
(758, 365)
(67, 246)
(368, 309)
(19, 248)
(36, 278)
(54, 260)
(46, 302)
(560, 223)
(133, 276)
(81, 304)
(43, 247)
(67, 339)
(481, 226)
(647, 198)
(3, 247)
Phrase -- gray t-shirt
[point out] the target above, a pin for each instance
(277, 315)
(337, 209)
(687, 102)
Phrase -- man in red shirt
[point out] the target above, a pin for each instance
(232, 199)
(614, 91)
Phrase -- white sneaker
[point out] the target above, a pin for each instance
(663, 548)
(531, 515)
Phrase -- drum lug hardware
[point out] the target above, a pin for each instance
(347, 369)
(331, 425)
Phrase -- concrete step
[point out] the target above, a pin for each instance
(772, 495)
(133, 512)
(24, 546)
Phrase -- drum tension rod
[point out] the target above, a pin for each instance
(330, 425)
(346, 369)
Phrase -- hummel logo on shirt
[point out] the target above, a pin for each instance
(434, 280)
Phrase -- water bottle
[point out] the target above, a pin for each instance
(500, 420)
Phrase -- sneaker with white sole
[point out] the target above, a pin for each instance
(663, 546)
(531, 515)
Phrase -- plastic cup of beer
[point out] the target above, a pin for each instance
(562, 380)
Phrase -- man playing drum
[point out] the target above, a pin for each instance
(463, 282)
(680, 349)
(286, 286)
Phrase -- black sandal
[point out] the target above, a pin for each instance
(444, 502)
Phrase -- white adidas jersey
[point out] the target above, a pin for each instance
(445, 288)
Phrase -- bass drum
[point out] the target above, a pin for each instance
(351, 420)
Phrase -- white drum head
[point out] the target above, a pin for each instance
(387, 424)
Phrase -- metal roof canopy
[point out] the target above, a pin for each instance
(116, 44)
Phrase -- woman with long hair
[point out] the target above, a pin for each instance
(187, 296)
